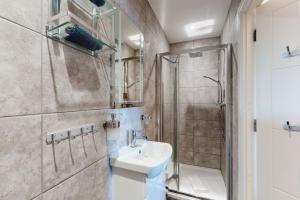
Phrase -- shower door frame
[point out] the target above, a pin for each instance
(228, 98)
(161, 113)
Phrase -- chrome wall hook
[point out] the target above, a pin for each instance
(83, 132)
(70, 134)
(288, 50)
(92, 131)
(291, 53)
(289, 127)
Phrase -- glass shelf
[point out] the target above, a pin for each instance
(67, 28)
(85, 26)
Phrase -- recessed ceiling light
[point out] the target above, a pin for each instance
(200, 28)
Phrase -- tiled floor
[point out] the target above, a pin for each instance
(201, 182)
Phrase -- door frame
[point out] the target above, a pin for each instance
(246, 98)
(249, 175)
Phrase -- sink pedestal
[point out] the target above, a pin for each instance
(130, 185)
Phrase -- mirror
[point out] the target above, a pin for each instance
(128, 73)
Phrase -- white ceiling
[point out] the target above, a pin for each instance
(173, 15)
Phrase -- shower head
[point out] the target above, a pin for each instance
(220, 90)
(195, 54)
(212, 79)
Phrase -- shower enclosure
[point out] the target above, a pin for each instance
(195, 118)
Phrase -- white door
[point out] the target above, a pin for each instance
(277, 99)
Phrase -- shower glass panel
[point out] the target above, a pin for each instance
(169, 80)
(195, 98)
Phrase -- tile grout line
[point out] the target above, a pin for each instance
(65, 112)
(18, 24)
(42, 117)
(73, 175)
(58, 112)
(66, 179)
(42, 155)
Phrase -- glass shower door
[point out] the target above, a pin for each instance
(169, 108)
(197, 176)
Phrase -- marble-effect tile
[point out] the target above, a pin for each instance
(73, 80)
(92, 183)
(20, 73)
(26, 13)
(20, 157)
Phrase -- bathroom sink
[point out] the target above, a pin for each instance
(149, 158)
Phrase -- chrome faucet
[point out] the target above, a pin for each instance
(134, 137)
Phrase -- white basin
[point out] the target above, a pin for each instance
(149, 158)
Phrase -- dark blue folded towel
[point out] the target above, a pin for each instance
(82, 38)
(98, 2)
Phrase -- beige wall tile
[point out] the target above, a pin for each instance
(182, 46)
(186, 95)
(20, 157)
(187, 111)
(206, 95)
(186, 157)
(207, 145)
(207, 42)
(132, 8)
(208, 61)
(38, 198)
(206, 112)
(27, 13)
(20, 75)
(186, 126)
(186, 143)
(91, 183)
(73, 80)
(207, 160)
(186, 64)
(186, 79)
(150, 59)
(207, 128)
